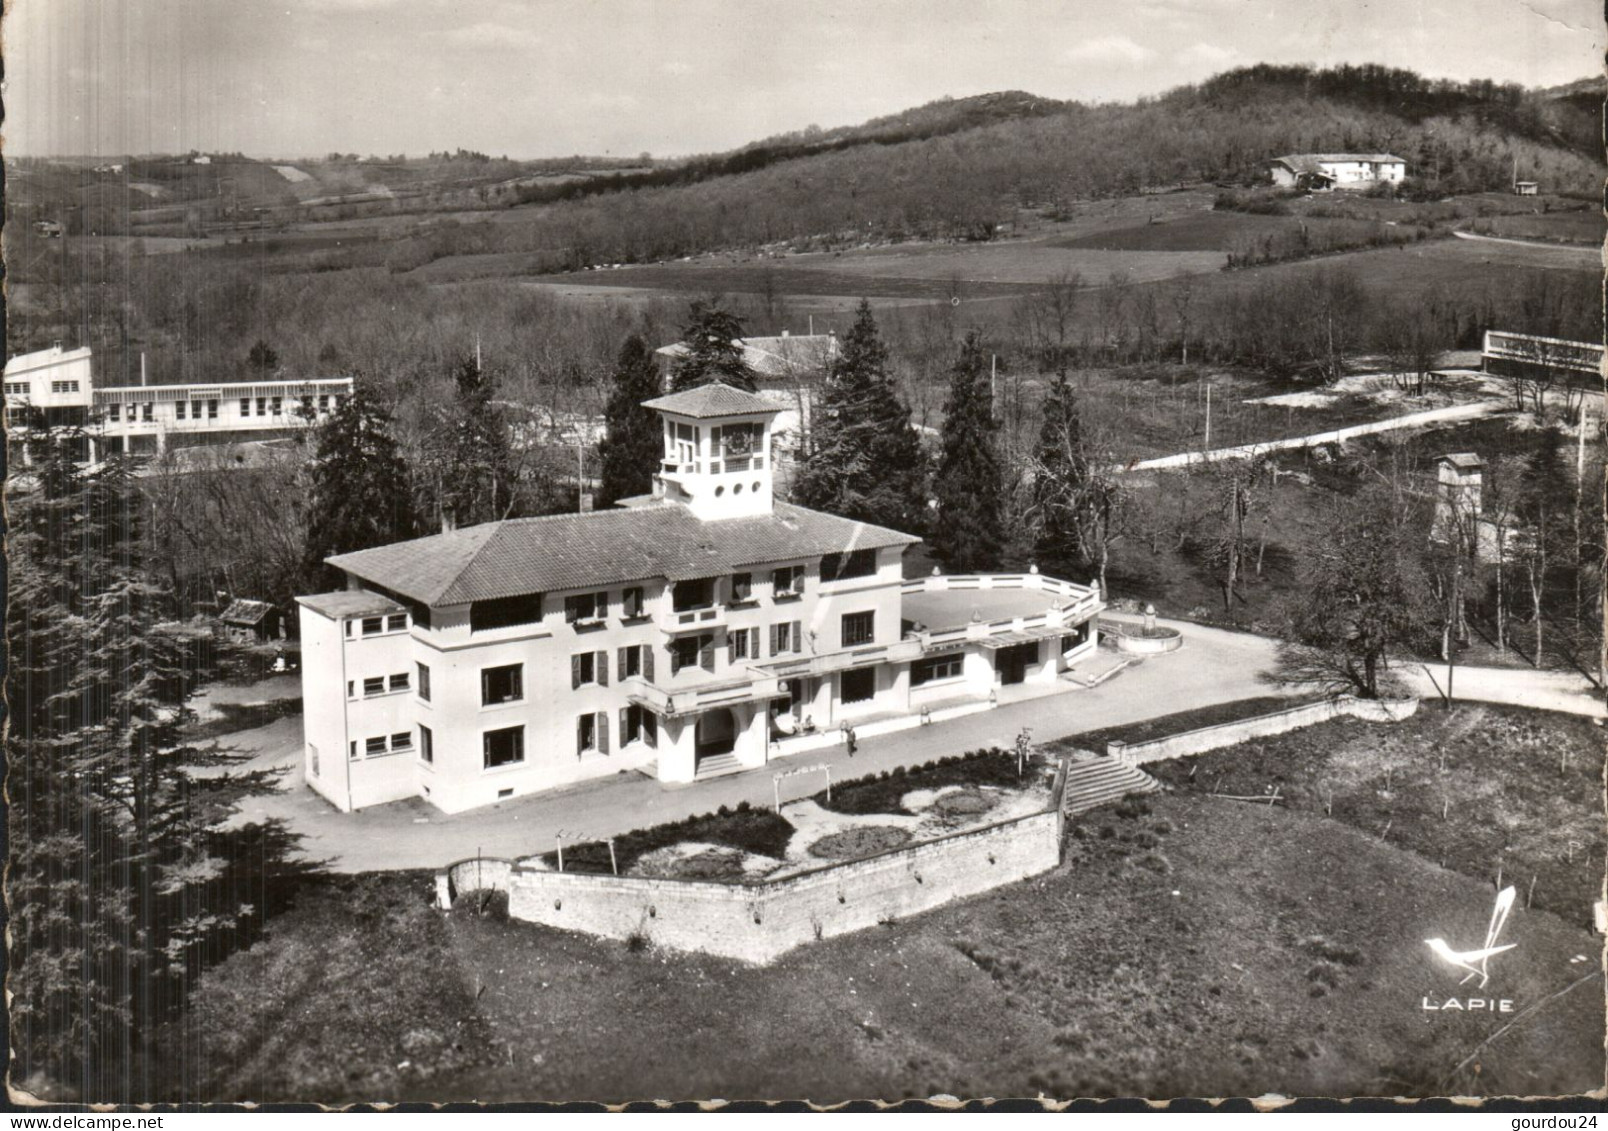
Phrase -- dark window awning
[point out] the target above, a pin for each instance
(1010, 639)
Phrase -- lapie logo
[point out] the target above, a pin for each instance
(1477, 962)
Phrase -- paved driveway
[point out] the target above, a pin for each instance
(1213, 666)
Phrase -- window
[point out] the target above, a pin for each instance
(16, 388)
(64, 386)
(787, 582)
(858, 628)
(424, 681)
(932, 668)
(742, 644)
(635, 660)
(692, 651)
(323, 403)
(354, 749)
(583, 608)
(742, 588)
(631, 603)
(426, 745)
(373, 626)
(786, 637)
(114, 411)
(503, 747)
(396, 622)
(502, 685)
(278, 405)
(699, 593)
(402, 740)
(195, 410)
(212, 410)
(312, 757)
(146, 411)
(841, 567)
(375, 685)
(399, 681)
(859, 685)
(592, 734)
(589, 667)
(178, 409)
(262, 406)
(374, 746)
(505, 612)
(245, 406)
(638, 724)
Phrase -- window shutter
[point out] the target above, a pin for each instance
(601, 665)
(620, 659)
(650, 729)
(706, 654)
(580, 735)
(625, 725)
(776, 640)
(602, 732)
(753, 643)
(731, 646)
(575, 671)
(675, 660)
(647, 662)
(798, 636)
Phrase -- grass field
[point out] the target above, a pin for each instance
(1190, 946)
(1485, 790)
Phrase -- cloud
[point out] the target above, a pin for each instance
(1207, 54)
(1109, 49)
(490, 36)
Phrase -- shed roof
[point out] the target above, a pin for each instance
(246, 613)
(555, 552)
(350, 603)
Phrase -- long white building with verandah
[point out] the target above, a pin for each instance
(703, 629)
(137, 419)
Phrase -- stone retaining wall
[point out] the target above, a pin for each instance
(1262, 726)
(759, 922)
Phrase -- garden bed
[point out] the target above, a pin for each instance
(863, 818)
(1165, 726)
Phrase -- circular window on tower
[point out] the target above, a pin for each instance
(737, 490)
(756, 486)
(719, 491)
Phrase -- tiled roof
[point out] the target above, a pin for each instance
(705, 401)
(787, 355)
(349, 603)
(573, 551)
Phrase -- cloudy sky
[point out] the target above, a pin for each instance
(532, 78)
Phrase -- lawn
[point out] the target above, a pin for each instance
(1484, 790)
(1190, 946)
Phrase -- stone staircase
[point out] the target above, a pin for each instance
(1095, 781)
(717, 765)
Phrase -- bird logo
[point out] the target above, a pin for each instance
(1477, 962)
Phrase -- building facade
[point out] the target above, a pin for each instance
(702, 629)
(1324, 171)
(144, 418)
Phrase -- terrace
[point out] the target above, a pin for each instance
(993, 610)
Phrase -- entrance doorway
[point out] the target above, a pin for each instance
(1013, 662)
(716, 733)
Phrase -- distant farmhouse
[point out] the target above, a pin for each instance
(55, 389)
(1321, 172)
(1533, 357)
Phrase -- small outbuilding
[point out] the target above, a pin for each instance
(251, 622)
(1526, 188)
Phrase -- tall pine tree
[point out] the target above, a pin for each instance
(634, 445)
(968, 531)
(711, 336)
(122, 884)
(865, 460)
(479, 469)
(1077, 505)
(360, 494)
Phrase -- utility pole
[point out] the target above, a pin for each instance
(1208, 417)
(993, 385)
(580, 476)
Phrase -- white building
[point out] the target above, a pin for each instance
(701, 629)
(1324, 171)
(133, 418)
